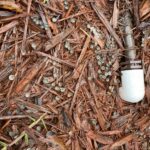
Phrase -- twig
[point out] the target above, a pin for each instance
(13, 117)
(77, 88)
(28, 77)
(122, 141)
(8, 26)
(58, 38)
(23, 51)
(107, 25)
(56, 59)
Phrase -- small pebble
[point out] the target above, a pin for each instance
(88, 26)
(34, 19)
(67, 45)
(50, 133)
(54, 63)
(27, 94)
(22, 106)
(33, 45)
(89, 78)
(60, 84)
(92, 46)
(9, 113)
(99, 71)
(38, 101)
(57, 88)
(100, 76)
(11, 77)
(103, 77)
(57, 98)
(53, 84)
(71, 52)
(62, 89)
(31, 142)
(38, 128)
(93, 121)
(98, 57)
(54, 19)
(65, 2)
(66, 7)
(72, 20)
(99, 63)
(96, 51)
(97, 48)
(37, 22)
(40, 22)
(106, 68)
(109, 73)
(107, 80)
(70, 94)
(46, 27)
(103, 68)
(45, 80)
(11, 134)
(42, 26)
(55, 75)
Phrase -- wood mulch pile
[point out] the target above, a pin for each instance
(60, 75)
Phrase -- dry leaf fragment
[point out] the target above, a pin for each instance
(99, 138)
(145, 8)
(115, 15)
(8, 26)
(57, 141)
(27, 78)
(10, 6)
(122, 141)
(58, 38)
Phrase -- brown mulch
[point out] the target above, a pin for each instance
(60, 75)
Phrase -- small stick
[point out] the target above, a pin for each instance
(58, 38)
(33, 106)
(23, 51)
(69, 11)
(23, 132)
(136, 12)
(121, 141)
(13, 117)
(77, 87)
(74, 15)
(56, 59)
(107, 25)
(82, 54)
(28, 77)
(15, 17)
(8, 26)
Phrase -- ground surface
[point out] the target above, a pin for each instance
(60, 75)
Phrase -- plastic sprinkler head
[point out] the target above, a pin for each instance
(132, 75)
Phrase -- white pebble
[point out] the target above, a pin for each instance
(11, 77)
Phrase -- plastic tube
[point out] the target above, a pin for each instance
(133, 89)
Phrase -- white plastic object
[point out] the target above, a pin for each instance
(133, 88)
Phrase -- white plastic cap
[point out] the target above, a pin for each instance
(133, 89)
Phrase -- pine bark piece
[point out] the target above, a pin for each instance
(99, 138)
(122, 141)
(107, 25)
(27, 78)
(58, 38)
(8, 26)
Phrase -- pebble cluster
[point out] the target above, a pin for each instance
(146, 37)
(52, 84)
(66, 5)
(104, 60)
(38, 21)
(58, 87)
(68, 47)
